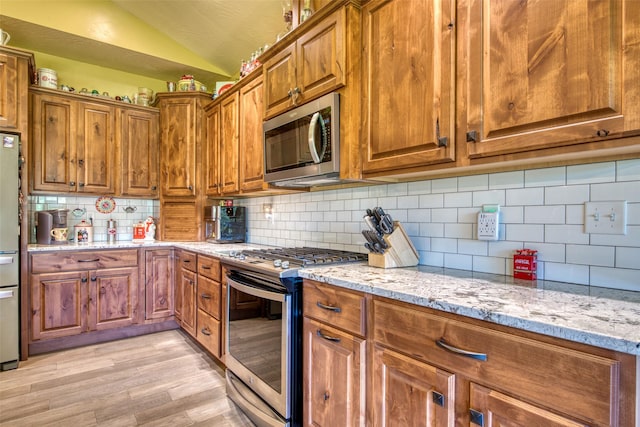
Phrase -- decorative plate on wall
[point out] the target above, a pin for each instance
(105, 204)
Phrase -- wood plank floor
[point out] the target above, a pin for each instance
(160, 379)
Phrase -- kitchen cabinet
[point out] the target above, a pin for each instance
(81, 291)
(183, 131)
(499, 372)
(159, 284)
(408, 72)
(540, 75)
(229, 139)
(211, 151)
(16, 67)
(73, 143)
(139, 160)
(334, 356)
(186, 290)
(209, 299)
(313, 64)
(251, 142)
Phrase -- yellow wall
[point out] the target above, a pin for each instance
(81, 75)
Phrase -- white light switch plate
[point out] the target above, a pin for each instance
(488, 224)
(605, 217)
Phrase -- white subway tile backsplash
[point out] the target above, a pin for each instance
(432, 201)
(565, 234)
(408, 202)
(631, 239)
(525, 232)
(473, 247)
(566, 273)
(545, 177)
(457, 200)
(435, 259)
(501, 180)
(444, 185)
(419, 215)
(468, 215)
(525, 196)
(461, 262)
(458, 231)
(591, 173)
(444, 245)
(628, 170)
(574, 214)
(444, 215)
(504, 249)
(490, 197)
(633, 213)
(489, 265)
(511, 215)
(473, 183)
(566, 194)
(554, 214)
(419, 187)
(629, 191)
(628, 258)
(619, 278)
(591, 255)
(432, 230)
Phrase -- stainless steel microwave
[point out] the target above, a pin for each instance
(302, 146)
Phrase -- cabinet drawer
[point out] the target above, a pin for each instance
(209, 296)
(82, 260)
(188, 261)
(209, 267)
(208, 333)
(577, 383)
(337, 307)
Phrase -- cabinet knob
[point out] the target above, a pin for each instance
(602, 133)
(154, 187)
(81, 162)
(326, 396)
(81, 184)
(83, 280)
(190, 188)
(472, 136)
(72, 183)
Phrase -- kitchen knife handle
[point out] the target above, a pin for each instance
(327, 337)
(479, 356)
(329, 307)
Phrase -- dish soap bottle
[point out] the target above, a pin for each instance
(307, 11)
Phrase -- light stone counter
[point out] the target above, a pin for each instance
(600, 317)
(201, 247)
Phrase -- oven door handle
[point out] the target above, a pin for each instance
(253, 290)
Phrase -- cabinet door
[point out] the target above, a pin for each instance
(159, 284)
(497, 409)
(58, 304)
(95, 149)
(547, 74)
(113, 298)
(321, 61)
(408, 72)
(9, 105)
(188, 312)
(411, 393)
(178, 118)
(53, 138)
(182, 221)
(279, 80)
(212, 151)
(139, 142)
(251, 136)
(334, 377)
(208, 332)
(229, 144)
(209, 296)
(179, 285)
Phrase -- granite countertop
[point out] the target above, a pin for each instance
(600, 317)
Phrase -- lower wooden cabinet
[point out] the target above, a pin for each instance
(186, 288)
(209, 304)
(83, 291)
(159, 284)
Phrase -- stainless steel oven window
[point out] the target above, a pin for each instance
(257, 346)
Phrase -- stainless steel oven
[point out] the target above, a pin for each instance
(264, 329)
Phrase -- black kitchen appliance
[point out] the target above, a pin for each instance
(264, 329)
(225, 224)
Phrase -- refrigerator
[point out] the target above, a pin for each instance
(9, 251)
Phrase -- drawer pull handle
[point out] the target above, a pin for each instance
(205, 331)
(89, 260)
(479, 356)
(438, 398)
(476, 417)
(205, 296)
(186, 261)
(327, 337)
(329, 307)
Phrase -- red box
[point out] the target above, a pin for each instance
(525, 264)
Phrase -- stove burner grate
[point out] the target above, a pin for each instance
(306, 256)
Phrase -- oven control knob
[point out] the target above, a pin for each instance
(240, 257)
(285, 264)
(277, 262)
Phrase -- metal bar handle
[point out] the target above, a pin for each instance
(6, 260)
(329, 307)
(6, 294)
(327, 337)
(89, 260)
(478, 356)
(205, 296)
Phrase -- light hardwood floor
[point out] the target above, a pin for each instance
(161, 379)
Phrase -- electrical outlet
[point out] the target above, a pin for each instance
(488, 224)
(605, 217)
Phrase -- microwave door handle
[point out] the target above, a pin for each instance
(315, 119)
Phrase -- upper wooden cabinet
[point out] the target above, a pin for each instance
(251, 142)
(538, 75)
(408, 84)
(229, 137)
(139, 160)
(15, 68)
(182, 128)
(312, 65)
(211, 151)
(73, 144)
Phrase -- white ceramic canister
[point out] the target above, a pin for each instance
(47, 78)
(83, 232)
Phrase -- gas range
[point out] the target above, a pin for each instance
(285, 262)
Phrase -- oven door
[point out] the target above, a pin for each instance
(258, 327)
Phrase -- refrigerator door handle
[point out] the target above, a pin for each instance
(6, 294)
(6, 260)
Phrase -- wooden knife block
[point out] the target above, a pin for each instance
(400, 253)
